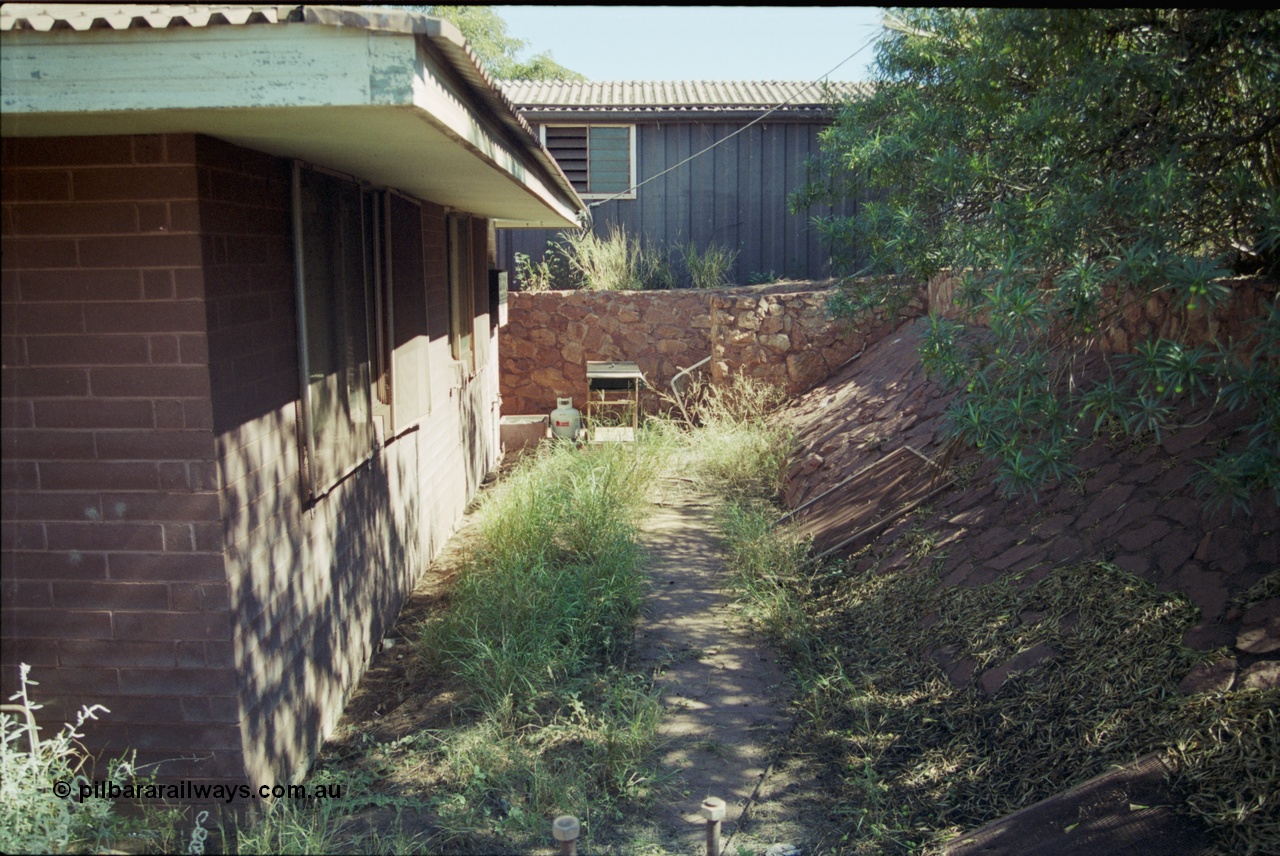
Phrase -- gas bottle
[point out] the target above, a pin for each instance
(565, 420)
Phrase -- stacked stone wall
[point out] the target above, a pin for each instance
(790, 339)
(1161, 315)
(781, 337)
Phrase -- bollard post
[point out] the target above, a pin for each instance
(565, 830)
(713, 810)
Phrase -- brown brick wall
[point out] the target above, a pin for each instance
(114, 586)
(158, 557)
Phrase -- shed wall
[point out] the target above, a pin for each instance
(735, 195)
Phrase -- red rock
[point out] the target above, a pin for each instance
(1205, 589)
(1106, 505)
(1017, 554)
(993, 679)
(1135, 563)
(1144, 537)
(1137, 513)
(1179, 441)
(1181, 509)
(1174, 551)
(1206, 636)
(1054, 525)
(1261, 612)
(1260, 638)
(1216, 676)
(1261, 676)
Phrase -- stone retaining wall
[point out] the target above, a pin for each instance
(551, 335)
(778, 333)
(1161, 315)
(789, 339)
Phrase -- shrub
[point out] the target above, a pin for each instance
(1072, 166)
(709, 268)
(33, 817)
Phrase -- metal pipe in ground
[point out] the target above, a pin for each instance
(713, 810)
(565, 830)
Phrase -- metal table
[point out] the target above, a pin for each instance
(613, 401)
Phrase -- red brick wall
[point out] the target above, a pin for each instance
(114, 585)
(158, 557)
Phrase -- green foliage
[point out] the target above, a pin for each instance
(486, 32)
(33, 817)
(620, 262)
(541, 276)
(537, 630)
(616, 262)
(739, 448)
(709, 268)
(1068, 166)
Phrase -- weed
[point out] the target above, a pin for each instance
(38, 777)
(537, 630)
(709, 268)
(542, 276)
(615, 262)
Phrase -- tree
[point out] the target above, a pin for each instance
(1068, 166)
(486, 32)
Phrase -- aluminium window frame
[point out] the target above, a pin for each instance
(630, 192)
(379, 297)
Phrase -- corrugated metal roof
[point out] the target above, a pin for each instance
(84, 16)
(681, 95)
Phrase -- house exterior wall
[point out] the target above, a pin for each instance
(158, 556)
(735, 195)
(115, 588)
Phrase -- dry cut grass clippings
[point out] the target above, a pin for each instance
(920, 759)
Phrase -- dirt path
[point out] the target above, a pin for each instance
(721, 685)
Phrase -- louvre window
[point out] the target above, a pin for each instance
(597, 159)
(363, 327)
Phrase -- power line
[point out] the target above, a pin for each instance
(759, 118)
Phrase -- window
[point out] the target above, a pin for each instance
(362, 313)
(599, 160)
(461, 291)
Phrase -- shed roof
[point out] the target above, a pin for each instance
(441, 102)
(678, 96)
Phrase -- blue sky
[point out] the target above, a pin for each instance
(700, 42)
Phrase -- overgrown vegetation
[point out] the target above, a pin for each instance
(621, 262)
(538, 630)
(1071, 167)
(920, 758)
(41, 810)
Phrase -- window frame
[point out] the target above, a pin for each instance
(630, 192)
(461, 276)
(374, 393)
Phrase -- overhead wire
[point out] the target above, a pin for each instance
(819, 81)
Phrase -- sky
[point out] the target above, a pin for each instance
(700, 42)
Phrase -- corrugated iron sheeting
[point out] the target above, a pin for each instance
(74, 16)
(673, 95)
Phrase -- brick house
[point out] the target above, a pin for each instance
(249, 356)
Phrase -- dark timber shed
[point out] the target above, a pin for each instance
(610, 137)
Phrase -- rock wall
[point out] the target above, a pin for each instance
(789, 339)
(778, 333)
(551, 335)
(1161, 315)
